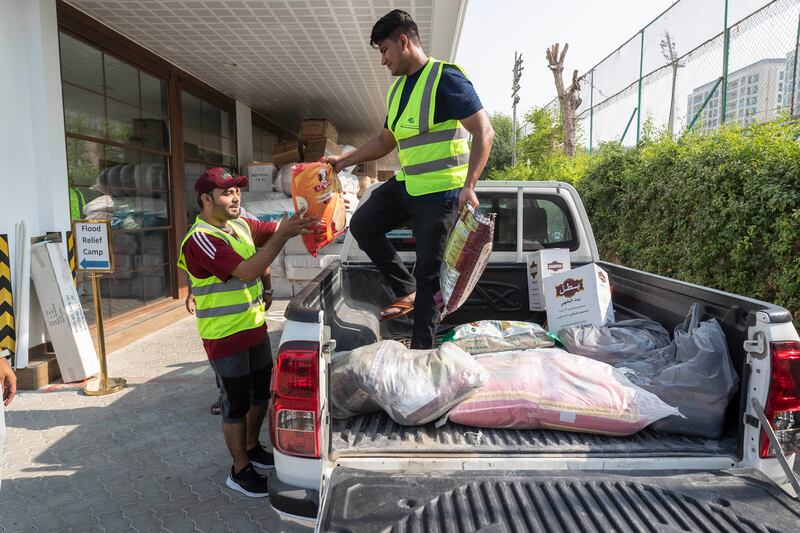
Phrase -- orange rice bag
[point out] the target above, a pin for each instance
(317, 191)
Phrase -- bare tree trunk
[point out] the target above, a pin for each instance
(569, 98)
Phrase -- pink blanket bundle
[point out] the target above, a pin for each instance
(550, 388)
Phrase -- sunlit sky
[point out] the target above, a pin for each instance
(494, 29)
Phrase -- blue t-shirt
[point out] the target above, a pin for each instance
(456, 99)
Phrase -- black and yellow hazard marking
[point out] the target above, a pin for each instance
(71, 256)
(8, 338)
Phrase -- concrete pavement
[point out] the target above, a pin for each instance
(150, 458)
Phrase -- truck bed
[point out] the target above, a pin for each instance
(379, 434)
(351, 297)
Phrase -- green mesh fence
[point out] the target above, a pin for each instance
(700, 64)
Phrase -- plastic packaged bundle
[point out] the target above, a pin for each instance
(412, 386)
(498, 336)
(267, 210)
(316, 192)
(615, 342)
(550, 388)
(465, 256)
(694, 373)
(283, 179)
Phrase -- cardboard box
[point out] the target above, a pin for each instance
(287, 152)
(541, 264)
(319, 147)
(367, 169)
(313, 128)
(385, 175)
(63, 314)
(578, 297)
(260, 177)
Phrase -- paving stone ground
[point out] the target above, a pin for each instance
(150, 458)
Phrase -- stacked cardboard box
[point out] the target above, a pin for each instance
(319, 147)
(314, 128)
(367, 169)
(287, 152)
(260, 176)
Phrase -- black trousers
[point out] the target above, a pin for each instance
(388, 207)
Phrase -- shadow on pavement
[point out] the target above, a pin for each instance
(149, 459)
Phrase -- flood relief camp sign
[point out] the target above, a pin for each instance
(93, 246)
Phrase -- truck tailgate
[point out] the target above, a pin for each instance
(501, 501)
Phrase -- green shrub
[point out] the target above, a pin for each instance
(718, 210)
(554, 167)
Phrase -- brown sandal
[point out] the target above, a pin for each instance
(405, 309)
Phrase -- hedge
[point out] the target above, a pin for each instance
(719, 210)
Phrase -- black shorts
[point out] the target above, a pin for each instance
(244, 380)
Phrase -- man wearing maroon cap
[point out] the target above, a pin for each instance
(224, 256)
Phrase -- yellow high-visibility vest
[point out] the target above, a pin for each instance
(433, 157)
(226, 307)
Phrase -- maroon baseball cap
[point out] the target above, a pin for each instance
(217, 178)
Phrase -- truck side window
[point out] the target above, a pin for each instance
(505, 225)
(546, 222)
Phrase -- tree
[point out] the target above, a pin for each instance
(568, 97)
(544, 138)
(501, 154)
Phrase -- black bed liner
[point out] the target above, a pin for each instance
(377, 433)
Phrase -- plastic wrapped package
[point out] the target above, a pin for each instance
(255, 196)
(317, 192)
(550, 388)
(129, 212)
(349, 181)
(488, 336)
(305, 267)
(694, 373)
(283, 179)
(267, 210)
(412, 386)
(346, 149)
(615, 342)
(350, 206)
(466, 254)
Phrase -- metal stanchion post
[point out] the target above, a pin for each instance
(104, 385)
(93, 253)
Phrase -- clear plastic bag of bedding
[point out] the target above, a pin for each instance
(615, 342)
(412, 386)
(465, 257)
(550, 388)
(488, 336)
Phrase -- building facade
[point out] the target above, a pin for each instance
(113, 109)
(756, 93)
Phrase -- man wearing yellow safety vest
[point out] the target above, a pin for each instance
(221, 254)
(432, 109)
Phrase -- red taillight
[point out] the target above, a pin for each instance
(294, 411)
(783, 403)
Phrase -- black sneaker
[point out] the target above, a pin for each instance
(260, 457)
(248, 482)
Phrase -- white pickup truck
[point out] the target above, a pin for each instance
(369, 474)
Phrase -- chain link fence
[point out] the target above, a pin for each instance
(698, 65)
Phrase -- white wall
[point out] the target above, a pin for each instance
(33, 159)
